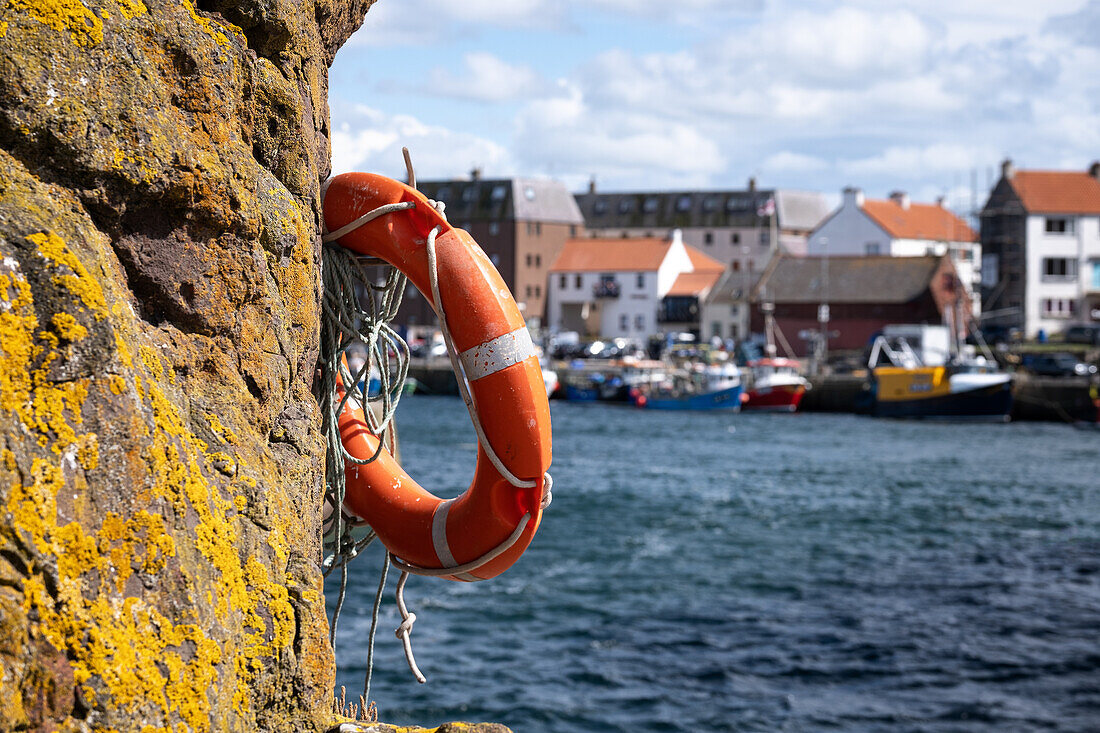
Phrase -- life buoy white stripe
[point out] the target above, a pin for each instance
(439, 539)
(497, 354)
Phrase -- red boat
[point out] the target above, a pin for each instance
(777, 385)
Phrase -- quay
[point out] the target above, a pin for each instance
(1046, 399)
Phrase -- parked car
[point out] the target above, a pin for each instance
(1056, 365)
(1086, 334)
(994, 335)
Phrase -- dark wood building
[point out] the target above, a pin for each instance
(863, 293)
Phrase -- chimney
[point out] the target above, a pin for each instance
(475, 174)
(901, 198)
(940, 200)
(677, 236)
(1007, 169)
(1094, 169)
(592, 185)
(853, 197)
(752, 184)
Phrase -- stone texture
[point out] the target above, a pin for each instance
(160, 459)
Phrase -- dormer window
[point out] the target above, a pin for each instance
(499, 192)
(650, 204)
(683, 203)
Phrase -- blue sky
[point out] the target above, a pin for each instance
(653, 94)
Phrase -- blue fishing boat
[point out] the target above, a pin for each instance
(716, 387)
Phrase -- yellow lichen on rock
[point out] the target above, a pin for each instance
(68, 327)
(85, 28)
(79, 282)
(132, 8)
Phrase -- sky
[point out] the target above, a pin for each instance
(922, 96)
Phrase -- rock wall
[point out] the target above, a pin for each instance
(160, 459)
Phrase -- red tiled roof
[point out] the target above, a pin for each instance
(919, 221)
(611, 255)
(704, 262)
(1057, 192)
(693, 283)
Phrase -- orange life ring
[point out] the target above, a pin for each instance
(507, 395)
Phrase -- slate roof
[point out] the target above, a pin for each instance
(857, 279)
(519, 199)
(798, 210)
(918, 221)
(1057, 192)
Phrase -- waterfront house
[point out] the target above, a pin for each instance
(741, 228)
(863, 294)
(521, 223)
(633, 287)
(899, 227)
(1041, 238)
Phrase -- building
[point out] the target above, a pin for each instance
(739, 228)
(900, 228)
(633, 287)
(1041, 243)
(521, 223)
(864, 293)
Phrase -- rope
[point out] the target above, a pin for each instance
(342, 271)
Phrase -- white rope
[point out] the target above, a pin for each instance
(405, 629)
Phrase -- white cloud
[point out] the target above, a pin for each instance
(910, 160)
(486, 78)
(787, 161)
(371, 140)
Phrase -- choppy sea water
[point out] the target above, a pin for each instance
(760, 573)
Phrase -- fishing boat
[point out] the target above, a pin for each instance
(715, 387)
(776, 385)
(609, 381)
(916, 372)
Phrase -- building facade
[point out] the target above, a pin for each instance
(1041, 238)
(741, 229)
(631, 288)
(897, 227)
(521, 223)
(863, 293)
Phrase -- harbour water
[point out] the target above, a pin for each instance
(703, 571)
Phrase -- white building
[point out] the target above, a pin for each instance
(899, 228)
(632, 288)
(1041, 238)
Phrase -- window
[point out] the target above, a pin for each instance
(765, 238)
(499, 192)
(443, 193)
(600, 207)
(1059, 307)
(1059, 225)
(735, 238)
(683, 203)
(626, 206)
(495, 259)
(572, 230)
(1095, 275)
(872, 248)
(710, 203)
(651, 204)
(469, 194)
(538, 291)
(561, 282)
(708, 238)
(736, 266)
(538, 228)
(538, 260)
(529, 260)
(576, 281)
(640, 281)
(639, 322)
(530, 228)
(528, 291)
(1059, 268)
(738, 203)
(529, 193)
(494, 228)
(624, 322)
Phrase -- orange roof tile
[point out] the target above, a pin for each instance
(919, 221)
(703, 262)
(693, 283)
(1057, 192)
(611, 255)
